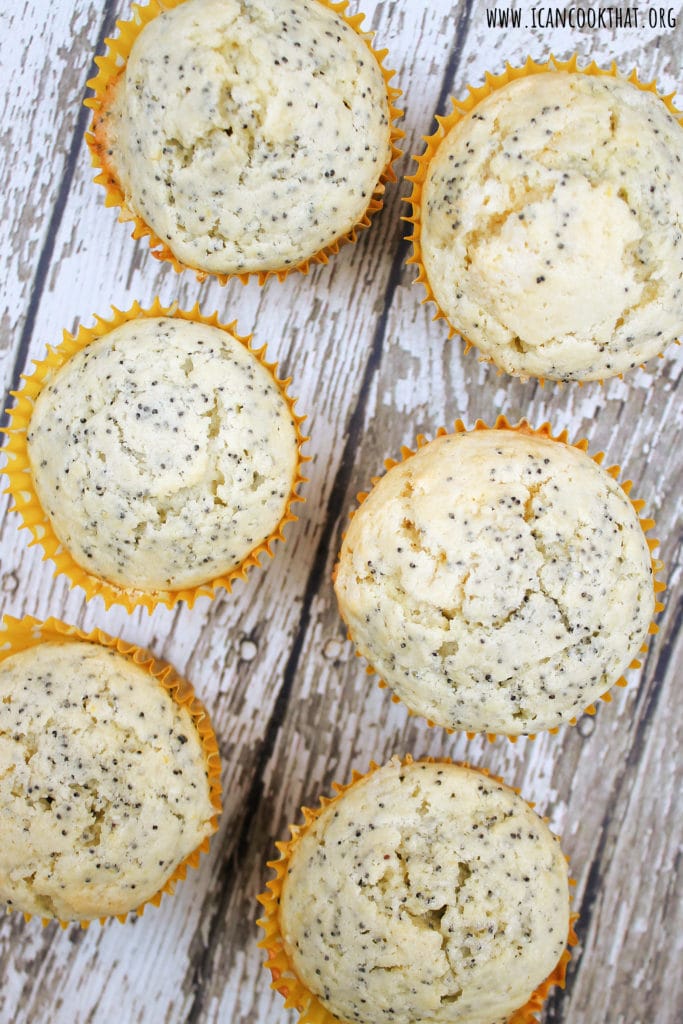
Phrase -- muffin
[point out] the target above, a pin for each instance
(163, 456)
(426, 891)
(499, 580)
(108, 775)
(244, 138)
(547, 212)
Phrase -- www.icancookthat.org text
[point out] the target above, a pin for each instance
(581, 16)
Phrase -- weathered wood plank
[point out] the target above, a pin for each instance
(43, 120)
(292, 706)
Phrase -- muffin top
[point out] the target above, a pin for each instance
(163, 453)
(427, 892)
(103, 784)
(249, 136)
(551, 226)
(498, 580)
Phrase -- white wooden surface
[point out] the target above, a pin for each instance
(292, 707)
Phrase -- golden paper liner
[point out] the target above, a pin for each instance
(111, 66)
(285, 979)
(20, 634)
(545, 430)
(27, 503)
(461, 109)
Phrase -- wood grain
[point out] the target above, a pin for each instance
(293, 708)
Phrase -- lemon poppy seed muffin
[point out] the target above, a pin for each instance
(551, 221)
(248, 136)
(103, 782)
(498, 580)
(163, 453)
(426, 892)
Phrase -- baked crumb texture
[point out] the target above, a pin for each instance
(425, 891)
(499, 581)
(246, 136)
(104, 781)
(548, 221)
(164, 456)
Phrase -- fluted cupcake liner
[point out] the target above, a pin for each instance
(26, 501)
(646, 524)
(285, 980)
(111, 66)
(21, 634)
